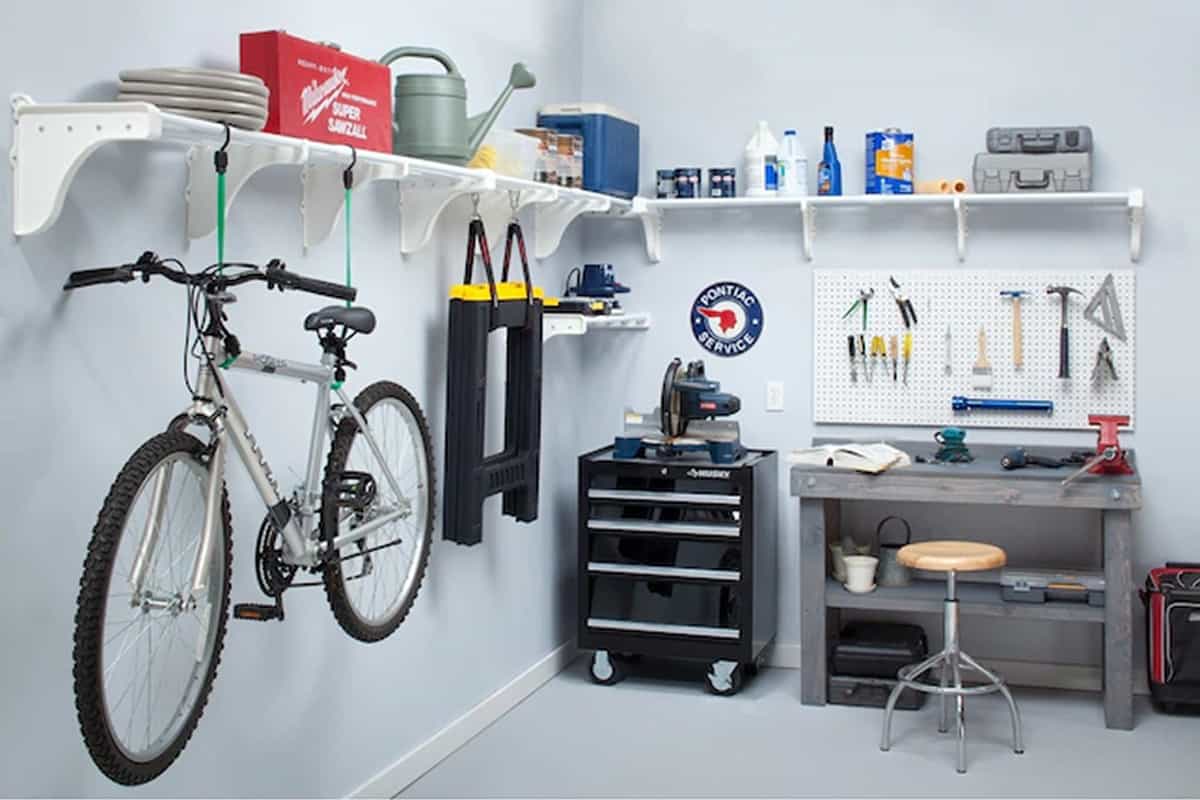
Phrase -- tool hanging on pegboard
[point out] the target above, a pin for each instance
(477, 309)
(1104, 310)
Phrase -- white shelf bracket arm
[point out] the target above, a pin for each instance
(422, 202)
(652, 225)
(244, 161)
(50, 142)
(324, 194)
(960, 221)
(808, 227)
(1137, 217)
(553, 219)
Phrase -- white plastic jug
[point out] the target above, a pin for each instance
(761, 163)
(793, 166)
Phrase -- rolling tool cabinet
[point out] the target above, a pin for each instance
(677, 560)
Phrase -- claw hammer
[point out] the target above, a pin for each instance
(1064, 341)
(1018, 345)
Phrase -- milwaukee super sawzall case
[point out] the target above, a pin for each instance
(320, 93)
(1172, 598)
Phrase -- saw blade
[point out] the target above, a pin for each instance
(673, 423)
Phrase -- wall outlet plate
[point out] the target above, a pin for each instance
(774, 395)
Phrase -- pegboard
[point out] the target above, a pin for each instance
(965, 300)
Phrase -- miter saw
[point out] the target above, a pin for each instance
(685, 421)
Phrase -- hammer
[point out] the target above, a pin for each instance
(1064, 342)
(1018, 348)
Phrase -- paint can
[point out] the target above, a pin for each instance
(687, 182)
(890, 155)
(665, 179)
(722, 182)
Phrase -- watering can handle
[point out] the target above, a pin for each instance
(420, 52)
(886, 520)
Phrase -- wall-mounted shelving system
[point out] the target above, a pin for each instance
(51, 141)
(651, 211)
(579, 324)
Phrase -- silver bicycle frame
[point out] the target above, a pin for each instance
(216, 406)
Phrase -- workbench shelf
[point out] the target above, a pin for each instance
(651, 211)
(51, 141)
(975, 599)
(579, 324)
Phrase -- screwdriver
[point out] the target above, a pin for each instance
(862, 351)
(878, 353)
(853, 359)
(893, 351)
(907, 353)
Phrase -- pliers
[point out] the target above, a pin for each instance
(864, 297)
(907, 312)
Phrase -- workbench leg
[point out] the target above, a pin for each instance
(1118, 619)
(815, 515)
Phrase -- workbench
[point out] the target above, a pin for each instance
(822, 490)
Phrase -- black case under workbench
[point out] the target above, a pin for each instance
(677, 558)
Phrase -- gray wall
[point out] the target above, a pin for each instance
(946, 70)
(299, 708)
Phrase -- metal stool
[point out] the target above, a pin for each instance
(951, 558)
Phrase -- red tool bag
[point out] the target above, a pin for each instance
(1172, 600)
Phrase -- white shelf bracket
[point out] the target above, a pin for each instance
(422, 202)
(324, 195)
(808, 227)
(960, 221)
(652, 225)
(553, 219)
(244, 161)
(1137, 217)
(50, 142)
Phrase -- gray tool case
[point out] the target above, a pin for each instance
(1045, 139)
(1024, 172)
(1042, 585)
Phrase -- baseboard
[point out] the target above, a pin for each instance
(427, 755)
(1072, 677)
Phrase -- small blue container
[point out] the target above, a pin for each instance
(610, 144)
(687, 182)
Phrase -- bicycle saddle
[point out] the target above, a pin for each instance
(356, 318)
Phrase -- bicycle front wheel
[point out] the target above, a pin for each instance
(371, 583)
(146, 655)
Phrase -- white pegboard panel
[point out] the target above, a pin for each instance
(965, 300)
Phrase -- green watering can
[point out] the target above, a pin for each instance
(430, 110)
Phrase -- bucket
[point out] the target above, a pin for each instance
(891, 571)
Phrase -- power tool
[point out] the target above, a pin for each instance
(685, 420)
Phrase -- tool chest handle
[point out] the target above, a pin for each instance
(1039, 142)
(1032, 179)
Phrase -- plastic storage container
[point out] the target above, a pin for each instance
(516, 154)
(610, 144)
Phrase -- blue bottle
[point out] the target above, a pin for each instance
(829, 171)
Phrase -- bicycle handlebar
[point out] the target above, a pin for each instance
(275, 274)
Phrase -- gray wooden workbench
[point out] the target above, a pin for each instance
(821, 491)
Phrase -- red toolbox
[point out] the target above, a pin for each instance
(320, 93)
(1172, 598)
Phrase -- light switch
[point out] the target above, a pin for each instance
(774, 395)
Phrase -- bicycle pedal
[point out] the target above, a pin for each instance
(260, 612)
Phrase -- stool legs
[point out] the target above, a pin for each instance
(951, 661)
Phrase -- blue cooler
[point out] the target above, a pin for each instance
(610, 144)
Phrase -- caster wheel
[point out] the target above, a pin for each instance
(607, 668)
(724, 678)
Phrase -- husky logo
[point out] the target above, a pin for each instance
(316, 97)
(708, 473)
(727, 319)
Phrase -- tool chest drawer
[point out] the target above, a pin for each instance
(677, 557)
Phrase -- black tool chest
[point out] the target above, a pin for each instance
(677, 559)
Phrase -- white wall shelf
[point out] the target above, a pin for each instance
(51, 141)
(651, 211)
(579, 324)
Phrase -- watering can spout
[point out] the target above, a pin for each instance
(479, 125)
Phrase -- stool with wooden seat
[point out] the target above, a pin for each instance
(951, 558)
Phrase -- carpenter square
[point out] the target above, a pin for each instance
(1064, 338)
(1104, 311)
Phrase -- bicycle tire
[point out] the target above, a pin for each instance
(344, 611)
(95, 724)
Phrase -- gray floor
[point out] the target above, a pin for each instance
(653, 737)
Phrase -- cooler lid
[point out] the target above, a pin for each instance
(570, 109)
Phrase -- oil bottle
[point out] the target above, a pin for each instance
(829, 171)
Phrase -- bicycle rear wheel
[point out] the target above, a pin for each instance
(145, 661)
(372, 583)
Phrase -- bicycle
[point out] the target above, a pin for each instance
(154, 595)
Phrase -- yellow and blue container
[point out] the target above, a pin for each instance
(889, 162)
